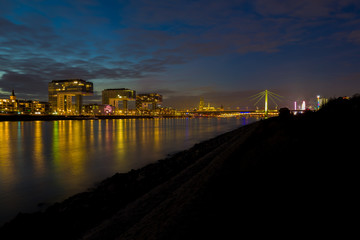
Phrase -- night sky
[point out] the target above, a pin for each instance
(224, 51)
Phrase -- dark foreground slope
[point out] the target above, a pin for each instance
(283, 177)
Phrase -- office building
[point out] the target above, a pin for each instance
(65, 96)
(96, 109)
(120, 98)
(148, 101)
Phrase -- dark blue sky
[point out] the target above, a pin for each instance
(224, 51)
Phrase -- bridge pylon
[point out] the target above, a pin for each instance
(267, 95)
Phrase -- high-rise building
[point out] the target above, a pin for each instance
(118, 97)
(65, 96)
(148, 101)
(303, 105)
(323, 101)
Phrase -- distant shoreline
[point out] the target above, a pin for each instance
(60, 117)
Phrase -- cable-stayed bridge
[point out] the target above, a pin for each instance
(264, 95)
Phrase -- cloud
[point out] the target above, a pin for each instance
(40, 71)
(139, 43)
(214, 28)
(308, 9)
(21, 84)
(354, 36)
(21, 39)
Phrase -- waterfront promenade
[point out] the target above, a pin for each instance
(282, 177)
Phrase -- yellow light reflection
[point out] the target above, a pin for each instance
(38, 148)
(55, 143)
(108, 134)
(120, 140)
(156, 133)
(132, 130)
(99, 134)
(7, 170)
(76, 157)
(91, 136)
(144, 133)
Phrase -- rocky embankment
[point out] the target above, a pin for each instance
(290, 176)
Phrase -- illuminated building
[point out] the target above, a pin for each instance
(9, 105)
(323, 101)
(320, 101)
(201, 104)
(62, 93)
(148, 102)
(118, 97)
(209, 108)
(14, 105)
(33, 107)
(96, 109)
(303, 105)
(203, 108)
(13, 97)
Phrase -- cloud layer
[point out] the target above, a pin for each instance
(174, 47)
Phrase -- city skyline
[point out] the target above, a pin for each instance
(223, 51)
(68, 93)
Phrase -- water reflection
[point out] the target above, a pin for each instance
(49, 161)
(7, 168)
(38, 154)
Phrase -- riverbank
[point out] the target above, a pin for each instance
(285, 176)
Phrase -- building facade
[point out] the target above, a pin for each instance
(17, 106)
(9, 105)
(96, 109)
(120, 98)
(148, 102)
(65, 96)
(33, 107)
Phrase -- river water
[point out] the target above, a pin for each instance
(46, 161)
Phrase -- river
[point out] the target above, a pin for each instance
(46, 161)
